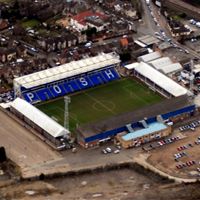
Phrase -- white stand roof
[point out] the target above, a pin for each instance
(67, 70)
(160, 79)
(38, 117)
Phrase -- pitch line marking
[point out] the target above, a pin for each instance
(96, 100)
(70, 116)
(133, 95)
(94, 105)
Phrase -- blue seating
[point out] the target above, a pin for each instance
(77, 84)
(110, 74)
(68, 88)
(84, 82)
(57, 90)
(44, 94)
(73, 85)
(96, 79)
(31, 97)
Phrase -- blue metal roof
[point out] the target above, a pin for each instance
(153, 127)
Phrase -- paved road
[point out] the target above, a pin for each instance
(148, 26)
(162, 21)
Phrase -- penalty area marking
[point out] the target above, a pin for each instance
(109, 104)
(99, 102)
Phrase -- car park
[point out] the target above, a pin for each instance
(184, 165)
(179, 166)
(168, 140)
(190, 126)
(180, 155)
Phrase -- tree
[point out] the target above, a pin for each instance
(91, 31)
(124, 57)
(138, 6)
(2, 154)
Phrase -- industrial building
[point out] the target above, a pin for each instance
(149, 57)
(171, 69)
(47, 128)
(147, 41)
(161, 62)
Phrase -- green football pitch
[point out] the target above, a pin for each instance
(102, 102)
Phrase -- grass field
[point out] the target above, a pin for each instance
(102, 102)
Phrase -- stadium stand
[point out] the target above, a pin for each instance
(45, 126)
(67, 78)
(67, 87)
(89, 136)
(156, 80)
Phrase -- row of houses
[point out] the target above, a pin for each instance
(11, 53)
(101, 22)
(61, 42)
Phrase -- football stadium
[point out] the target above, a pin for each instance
(106, 98)
(102, 102)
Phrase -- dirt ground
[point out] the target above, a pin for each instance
(163, 157)
(123, 184)
(22, 146)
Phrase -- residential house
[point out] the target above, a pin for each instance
(87, 19)
(2, 55)
(11, 54)
(21, 51)
(178, 29)
(3, 24)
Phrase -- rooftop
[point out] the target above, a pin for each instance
(148, 40)
(150, 56)
(66, 70)
(153, 127)
(82, 17)
(161, 62)
(39, 118)
(158, 78)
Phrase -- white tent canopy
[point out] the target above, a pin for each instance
(160, 79)
(39, 118)
(67, 70)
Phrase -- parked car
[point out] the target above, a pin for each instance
(116, 151)
(104, 151)
(108, 149)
